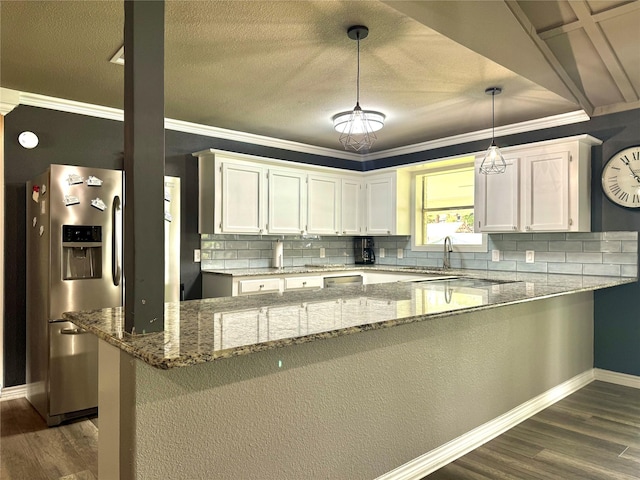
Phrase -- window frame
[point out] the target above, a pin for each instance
(436, 166)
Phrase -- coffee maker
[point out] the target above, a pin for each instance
(363, 250)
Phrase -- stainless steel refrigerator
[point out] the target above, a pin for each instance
(74, 262)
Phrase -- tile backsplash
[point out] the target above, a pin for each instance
(595, 253)
(256, 251)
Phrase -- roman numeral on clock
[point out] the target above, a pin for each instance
(615, 189)
(624, 196)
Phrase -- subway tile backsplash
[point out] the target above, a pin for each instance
(597, 253)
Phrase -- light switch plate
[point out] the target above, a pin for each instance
(381, 252)
(495, 255)
(322, 252)
(196, 255)
(400, 253)
(530, 256)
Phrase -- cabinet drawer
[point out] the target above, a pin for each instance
(246, 287)
(293, 283)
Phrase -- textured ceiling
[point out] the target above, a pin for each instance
(283, 69)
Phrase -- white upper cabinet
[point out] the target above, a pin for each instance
(287, 202)
(380, 204)
(242, 198)
(232, 195)
(323, 204)
(351, 203)
(546, 191)
(546, 188)
(495, 196)
(387, 199)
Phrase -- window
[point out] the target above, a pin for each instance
(444, 196)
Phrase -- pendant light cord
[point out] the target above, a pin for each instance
(493, 117)
(358, 74)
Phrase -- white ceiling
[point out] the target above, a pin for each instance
(283, 68)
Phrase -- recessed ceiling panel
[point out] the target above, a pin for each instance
(585, 67)
(623, 34)
(551, 14)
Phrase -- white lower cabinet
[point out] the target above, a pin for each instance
(262, 285)
(300, 283)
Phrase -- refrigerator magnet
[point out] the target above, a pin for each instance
(94, 181)
(167, 216)
(71, 200)
(41, 230)
(35, 193)
(43, 189)
(98, 203)
(74, 179)
(34, 221)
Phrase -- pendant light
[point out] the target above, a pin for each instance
(357, 127)
(493, 162)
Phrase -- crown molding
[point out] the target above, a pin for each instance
(109, 113)
(9, 99)
(522, 127)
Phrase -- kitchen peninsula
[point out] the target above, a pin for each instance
(316, 384)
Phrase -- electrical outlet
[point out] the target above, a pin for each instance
(495, 255)
(400, 253)
(196, 255)
(322, 252)
(381, 252)
(530, 256)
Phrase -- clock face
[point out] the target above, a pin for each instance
(621, 178)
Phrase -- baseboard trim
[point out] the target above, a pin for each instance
(456, 448)
(11, 393)
(617, 378)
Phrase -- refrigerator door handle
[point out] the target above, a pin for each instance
(73, 331)
(116, 245)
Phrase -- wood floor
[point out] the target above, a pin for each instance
(29, 450)
(591, 434)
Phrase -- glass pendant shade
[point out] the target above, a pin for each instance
(493, 161)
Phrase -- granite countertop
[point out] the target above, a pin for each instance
(332, 267)
(199, 331)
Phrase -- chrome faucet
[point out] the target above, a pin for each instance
(448, 248)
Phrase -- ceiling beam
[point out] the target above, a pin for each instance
(544, 49)
(601, 44)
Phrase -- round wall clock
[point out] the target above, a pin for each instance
(621, 178)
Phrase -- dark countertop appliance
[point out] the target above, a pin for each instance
(363, 250)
